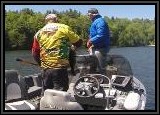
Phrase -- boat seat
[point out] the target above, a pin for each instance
(58, 100)
(34, 85)
(34, 91)
(15, 88)
(21, 105)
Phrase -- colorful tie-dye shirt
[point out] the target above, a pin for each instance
(54, 40)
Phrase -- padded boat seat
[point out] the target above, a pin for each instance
(21, 105)
(58, 100)
(34, 91)
(15, 87)
(34, 85)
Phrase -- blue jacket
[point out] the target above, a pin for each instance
(99, 33)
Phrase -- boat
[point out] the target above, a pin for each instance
(119, 89)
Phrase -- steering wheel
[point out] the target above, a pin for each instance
(86, 86)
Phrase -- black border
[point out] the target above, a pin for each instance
(65, 2)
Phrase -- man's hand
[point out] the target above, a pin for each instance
(73, 48)
(89, 44)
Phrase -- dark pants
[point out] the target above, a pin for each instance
(55, 79)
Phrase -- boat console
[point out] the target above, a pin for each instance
(90, 90)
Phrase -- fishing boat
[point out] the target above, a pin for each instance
(119, 89)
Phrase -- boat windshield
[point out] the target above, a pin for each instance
(115, 64)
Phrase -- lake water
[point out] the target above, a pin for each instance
(142, 60)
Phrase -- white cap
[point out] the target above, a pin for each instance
(51, 17)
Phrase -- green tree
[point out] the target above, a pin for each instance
(20, 28)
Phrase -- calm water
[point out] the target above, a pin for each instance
(142, 60)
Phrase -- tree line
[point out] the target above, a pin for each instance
(21, 26)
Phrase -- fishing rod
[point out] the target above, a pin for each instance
(24, 61)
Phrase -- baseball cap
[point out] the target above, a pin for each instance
(93, 11)
(51, 16)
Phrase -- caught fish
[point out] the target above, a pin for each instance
(72, 60)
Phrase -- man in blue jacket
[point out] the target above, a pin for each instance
(99, 38)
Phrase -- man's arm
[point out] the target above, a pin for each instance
(78, 43)
(102, 29)
(74, 38)
(36, 51)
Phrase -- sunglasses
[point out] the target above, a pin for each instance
(88, 14)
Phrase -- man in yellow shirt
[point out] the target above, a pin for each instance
(51, 51)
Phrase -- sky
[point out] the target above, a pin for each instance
(119, 11)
